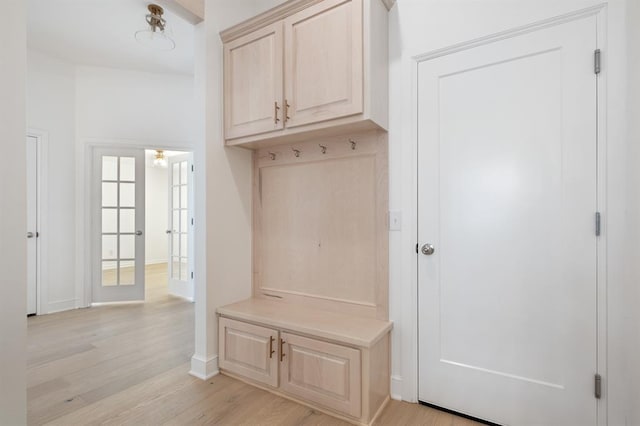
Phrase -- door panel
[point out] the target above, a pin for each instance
(507, 196)
(32, 224)
(323, 62)
(249, 350)
(322, 372)
(119, 224)
(180, 226)
(253, 83)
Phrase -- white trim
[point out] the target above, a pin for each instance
(42, 270)
(204, 369)
(61, 305)
(127, 302)
(396, 388)
(602, 184)
(155, 261)
(410, 178)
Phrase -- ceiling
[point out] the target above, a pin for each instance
(101, 33)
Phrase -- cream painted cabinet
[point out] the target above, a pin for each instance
(323, 62)
(306, 68)
(249, 350)
(253, 83)
(321, 372)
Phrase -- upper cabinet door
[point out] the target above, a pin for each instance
(324, 62)
(253, 83)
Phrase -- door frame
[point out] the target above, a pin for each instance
(42, 154)
(410, 233)
(84, 205)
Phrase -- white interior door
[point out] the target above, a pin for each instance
(32, 224)
(118, 192)
(180, 226)
(507, 197)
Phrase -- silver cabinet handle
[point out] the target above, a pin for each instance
(138, 232)
(427, 249)
(30, 235)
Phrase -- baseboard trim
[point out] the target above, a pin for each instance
(396, 388)
(204, 369)
(61, 305)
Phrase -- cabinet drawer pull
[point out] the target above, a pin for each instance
(271, 351)
(275, 112)
(282, 342)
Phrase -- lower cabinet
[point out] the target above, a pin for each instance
(321, 372)
(249, 350)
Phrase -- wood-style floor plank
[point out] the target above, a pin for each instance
(128, 365)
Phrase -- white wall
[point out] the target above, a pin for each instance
(135, 106)
(420, 26)
(13, 208)
(156, 213)
(51, 108)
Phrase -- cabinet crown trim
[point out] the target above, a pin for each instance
(347, 329)
(280, 12)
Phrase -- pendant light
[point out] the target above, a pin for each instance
(160, 160)
(155, 36)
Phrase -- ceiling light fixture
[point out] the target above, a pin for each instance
(156, 36)
(160, 160)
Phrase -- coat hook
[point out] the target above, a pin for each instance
(323, 148)
(296, 152)
(272, 155)
(353, 144)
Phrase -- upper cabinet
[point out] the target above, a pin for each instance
(253, 83)
(307, 68)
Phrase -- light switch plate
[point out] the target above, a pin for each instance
(395, 220)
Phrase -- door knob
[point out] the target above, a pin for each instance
(30, 235)
(138, 232)
(168, 231)
(427, 249)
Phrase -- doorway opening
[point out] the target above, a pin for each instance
(168, 224)
(143, 225)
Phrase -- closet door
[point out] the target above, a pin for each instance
(253, 83)
(323, 62)
(321, 372)
(249, 350)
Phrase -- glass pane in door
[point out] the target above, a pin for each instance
(118, 220)
(179, 221)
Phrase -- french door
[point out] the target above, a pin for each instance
(180, 226)
(118, 251)
(507, 204)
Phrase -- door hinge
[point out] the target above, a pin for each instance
(191, 221)
(598, 386)
(597, 224)
(192, 167)
(192, 275)
(416, 248)
(596, 61)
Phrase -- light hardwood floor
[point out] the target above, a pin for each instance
(128, 365)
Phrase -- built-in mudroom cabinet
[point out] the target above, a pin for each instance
(305, 88)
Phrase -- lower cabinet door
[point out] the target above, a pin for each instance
(321, 372)
(249, 350)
